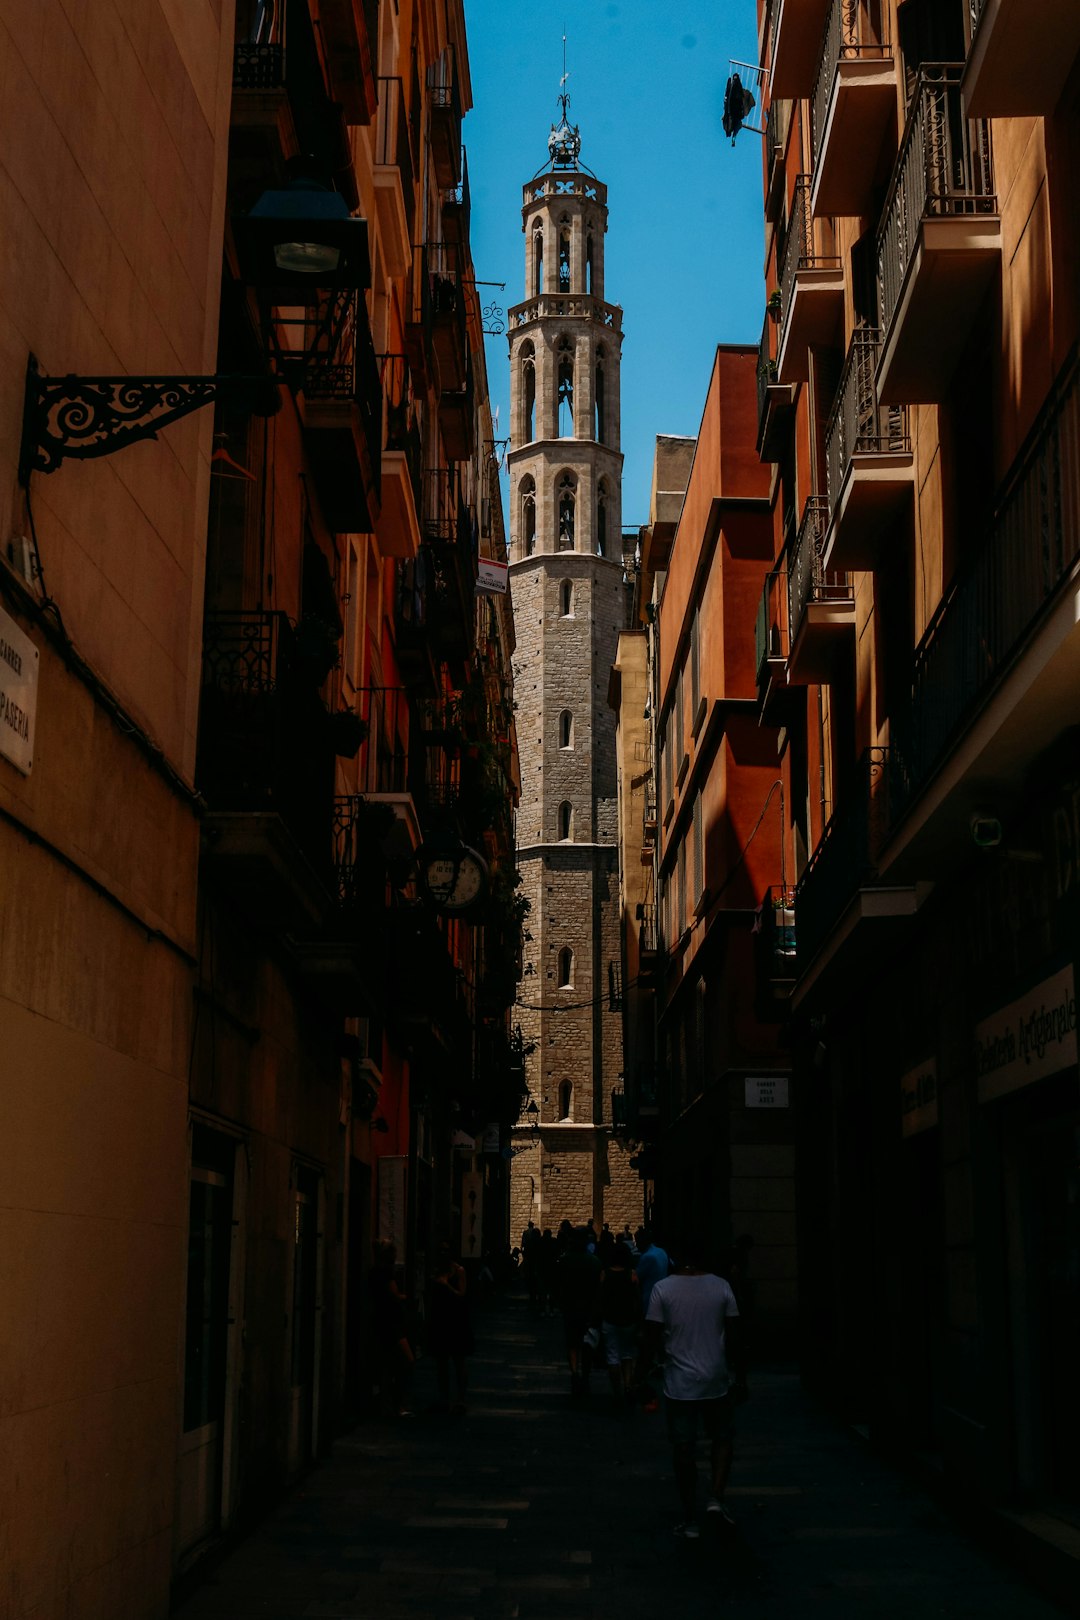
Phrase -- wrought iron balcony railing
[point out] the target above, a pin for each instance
(259, 52)
(944, 169)
(648, 932)
(800, 251)
(766, 370)
(1033, 545)
(444, 101)
(457, 201)
(808, 579)
(858, 425)
(384, 757)
(402, 416)
(845, 857)
(854, 32)
(443, 504)
(394, 141)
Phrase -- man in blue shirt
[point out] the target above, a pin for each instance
(652, 1265)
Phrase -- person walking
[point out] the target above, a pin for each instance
(652, 1264)
(449, 1332)
(693, 1317)
(619, 1320)
(394, 1357)
(530, 1258)
(579, 1296)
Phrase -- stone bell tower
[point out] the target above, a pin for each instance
(569, 607)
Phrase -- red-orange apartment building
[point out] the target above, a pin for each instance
(248, 683)
(917, 648)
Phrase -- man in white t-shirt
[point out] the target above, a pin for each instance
(694, 1318)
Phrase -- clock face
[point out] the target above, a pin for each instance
(454, 881)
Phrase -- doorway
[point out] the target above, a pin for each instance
(305, 1316)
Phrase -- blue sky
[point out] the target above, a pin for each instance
(685, 235)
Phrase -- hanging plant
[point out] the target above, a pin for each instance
(316, 647)
(347, 732)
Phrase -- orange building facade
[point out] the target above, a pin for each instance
(916, 652)
(258, 741)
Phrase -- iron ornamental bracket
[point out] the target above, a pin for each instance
(84, 417)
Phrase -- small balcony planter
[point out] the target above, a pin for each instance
(315, 648)
(347, 732)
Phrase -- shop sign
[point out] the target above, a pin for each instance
(918, 1099)
(492, 578)
(390, 1227)
(18, 694)
(766, 1091)
(490, 1141)
(1030, 1039)
(472, 1215)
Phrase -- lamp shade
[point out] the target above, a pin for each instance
(299, 238)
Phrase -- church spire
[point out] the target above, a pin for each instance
(564, 142)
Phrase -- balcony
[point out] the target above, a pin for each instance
(350, 35)
(796, 46)
(939, 246)
(451, 556)
(775, 954)
(341, 412)
(419, 321)
(853, 106)
(413, 610)
(775, 399)
(771, 648)
(344, 959)
(1021, 54)
(445, 266)
(457, 207)
(811, 287)
(842, 908)
(395, 175)
(261, 129)
(871, 467)
(821, 602)
(648, 972)
(444, 102)
(457, 417)
(265, 767)
(398, 529)
(997, 674)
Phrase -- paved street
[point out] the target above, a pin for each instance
(530, 1507)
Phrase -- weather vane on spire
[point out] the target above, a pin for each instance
(564, 142)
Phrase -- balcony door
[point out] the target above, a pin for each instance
(305, 1317)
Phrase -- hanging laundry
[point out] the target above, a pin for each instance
(739, 103)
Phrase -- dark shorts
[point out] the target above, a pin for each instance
(717, 1418)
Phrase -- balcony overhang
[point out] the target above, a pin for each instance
(398, 528)
(392, 212)
(796, 46)
(457, 421)
(862, 104)
(775, 419)
(954, 262)
(874, 921)
(1020, 58)
(256, 858)
(341, 464)
(351, 53)
(343, 973)
(988, 769)
(817, 308)
(876, 489)
(825, 629)
(776, 696)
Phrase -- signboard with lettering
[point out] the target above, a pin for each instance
(491, 1139)
(766, 1091)
(918, 1099)
(491, 577)
(1033, 1037)
(18, 694)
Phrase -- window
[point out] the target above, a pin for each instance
(679, 738)
(538, 257)
(566, 499)
(566, 599)
(566, 820)
(565, 389)
(528, 393)
(566, 1094)
(598, 400)
(566, 968)
(680, 904)
(566, 729)
(528, 516)
(602, 519)
(564, 255)
(699, 850)
(589, 272)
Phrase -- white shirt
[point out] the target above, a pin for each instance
(693, 1311)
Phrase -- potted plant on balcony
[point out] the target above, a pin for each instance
(347, 731)
(315, 647)
(773, 304)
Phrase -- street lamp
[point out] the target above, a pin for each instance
(532, 1114)
(293, 243)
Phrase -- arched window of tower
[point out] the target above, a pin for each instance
(566, 502)
(602, 518)
(528, 392)
(528, 516)
(566, 599)
(538, 256)
(566, 1095)
(564, 254)
(566, 968)
(589, 264)
(566, 821)
(598, 397)
(566, 729)
(565, 394)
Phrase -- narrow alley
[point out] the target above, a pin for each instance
(530, 1507)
